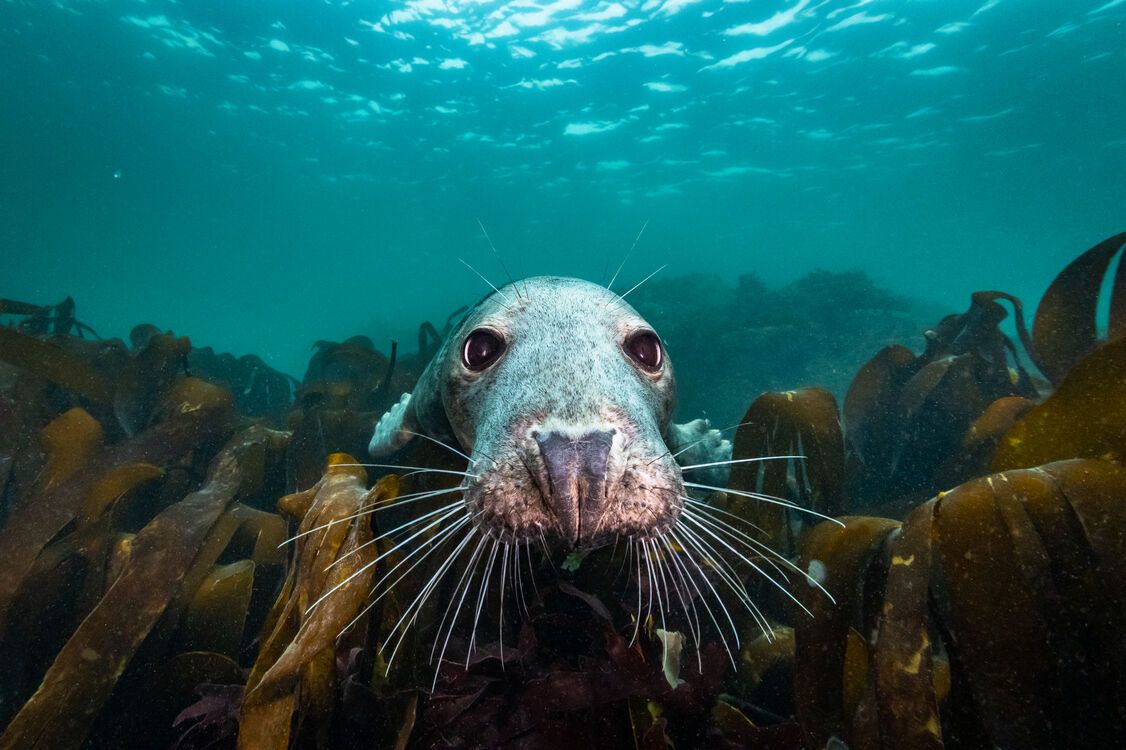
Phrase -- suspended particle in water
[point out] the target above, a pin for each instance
(117, 174)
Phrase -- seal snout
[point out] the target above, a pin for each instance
(576, 467)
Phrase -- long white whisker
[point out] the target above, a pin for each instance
(491, 284)
(622, 297)
(369, 509)
(739, 461)
(504, 268)
(500, 626)
(531, 570)
(726, 574)
(697, 630)
(692, 518)
(733, 582)
(694, 443)
(622, 265)
(637, 622)
(761, 546)
(375, 540)
(481, 596)
(436, 441)
(424, 596)
(738, 536)
(430, 546)
(379, 557)
(718, 598)
(471, 566)
(766, 499)
(417, 469)
(660, 600)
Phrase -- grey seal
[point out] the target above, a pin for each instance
(561, 395)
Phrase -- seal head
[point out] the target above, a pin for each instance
(561, 394)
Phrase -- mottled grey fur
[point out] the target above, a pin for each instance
(564, 371)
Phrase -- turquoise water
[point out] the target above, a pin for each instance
(260, 175)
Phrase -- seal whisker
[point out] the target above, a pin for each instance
(740, 536)
(625, 561)
(491, 284)
(500, 625)
(691, 518)
(531, 570)
(610, 286)
(650, 585)
(518, 578)
(694, 443)
(449, 511)
(732, 581)
(708, 506)
(766, 499)
(748, 539)
(470, 569)
(662, 601)
(664, 565)
(433, 544)
(369, 509)
(637, 620)
(504, 268)
(740, 461)
(482, 594)
(423, 596)
(622, 297)
(416, 469)
(372, 563)
(724, 529)
(703, 576)
(681, 573)
(444, 444)
(723, 569)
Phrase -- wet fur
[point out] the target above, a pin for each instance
(564, 370)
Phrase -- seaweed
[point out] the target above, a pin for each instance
(161, 589)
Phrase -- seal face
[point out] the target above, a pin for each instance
(561, 395)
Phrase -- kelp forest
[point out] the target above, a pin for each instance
(192, 555)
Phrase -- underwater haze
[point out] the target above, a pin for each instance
(260, 175)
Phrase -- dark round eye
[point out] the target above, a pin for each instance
(481, 349)
(644, 348)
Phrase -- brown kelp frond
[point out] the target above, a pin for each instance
(982, 617)
(1084, 417)
(793, 423)
(294, 671)
(1065, 330)
(907, 415)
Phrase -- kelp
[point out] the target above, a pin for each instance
(794, 423)
(322, 597)
(59, 714)
(46, 319)
(995, 572)
(1065, 330)
(148, 597)
(1084, 417)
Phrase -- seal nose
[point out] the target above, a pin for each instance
(576, 468)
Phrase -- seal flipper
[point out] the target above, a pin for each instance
(419, 412)
(700, 445)
(394, 429)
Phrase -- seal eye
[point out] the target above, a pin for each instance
(644, 348)
(481, 349)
